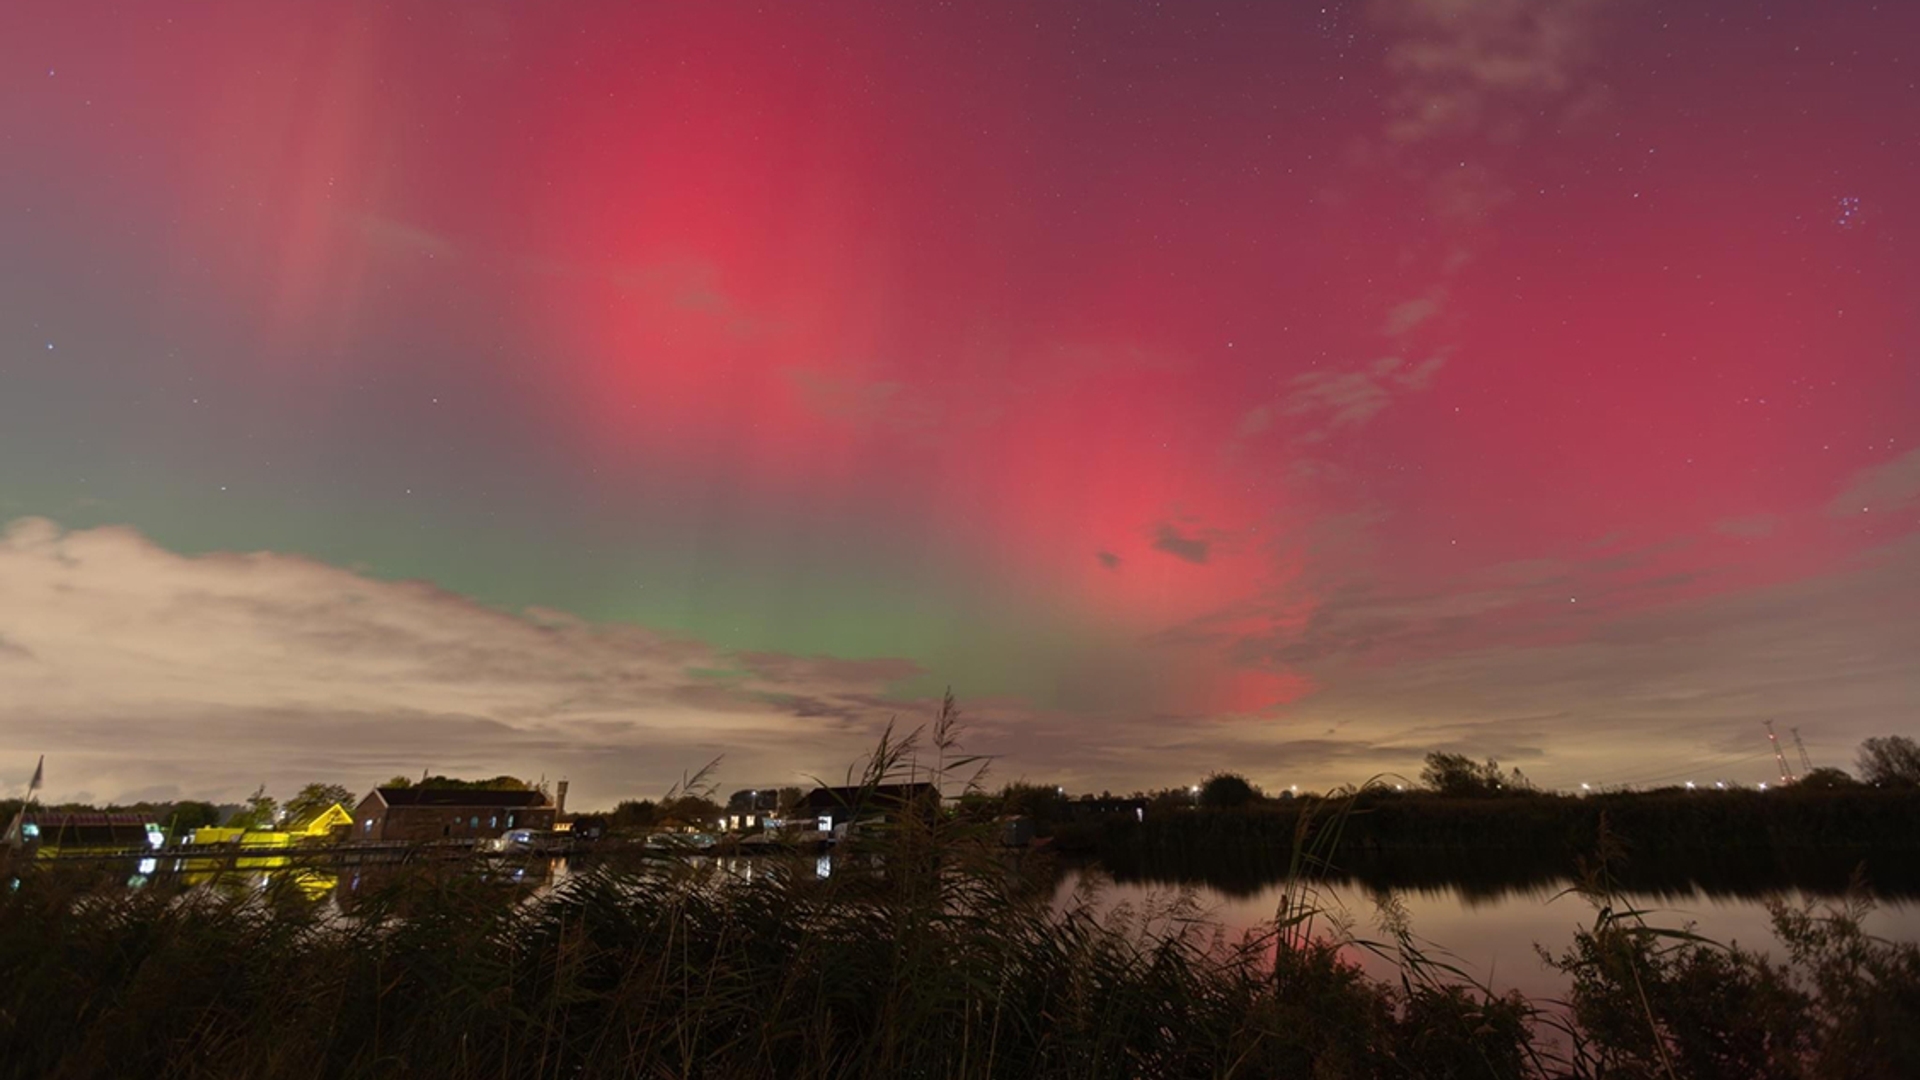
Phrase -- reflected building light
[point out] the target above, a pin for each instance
(823, 866)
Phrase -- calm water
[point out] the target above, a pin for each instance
(1491, 936)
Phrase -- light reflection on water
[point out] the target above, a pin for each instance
(1492, 938)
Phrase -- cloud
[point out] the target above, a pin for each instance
(220, 671)
(1646, 657)
(1108, 559)
(1485, 67)
(862, 402)
(403, 238)
(1193, 549)
(1890, 485)
(688, 287)
(1405, 317)
(1340, 399)
(1756, 527)
(1253, 422)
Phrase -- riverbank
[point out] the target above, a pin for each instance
(1730, 841)
(932, 954)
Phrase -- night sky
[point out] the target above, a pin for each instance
(591, 389)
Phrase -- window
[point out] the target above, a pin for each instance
(493, 822)
(473, 822)
(509, 821)
(368, 827)
(826, 822)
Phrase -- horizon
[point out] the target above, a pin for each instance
(1290, 392)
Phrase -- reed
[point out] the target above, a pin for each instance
(927, 952)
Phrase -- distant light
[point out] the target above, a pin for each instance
(1721, 784)
(1295, 788)
(1586, 787)
(1763, 785)
(1689, 785)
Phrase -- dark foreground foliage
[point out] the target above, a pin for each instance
(926, 952)
(672, 971)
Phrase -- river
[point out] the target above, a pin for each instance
(1492, 935)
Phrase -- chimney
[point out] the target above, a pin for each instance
(560, 799)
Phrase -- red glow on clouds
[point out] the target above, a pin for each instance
(1151, 341)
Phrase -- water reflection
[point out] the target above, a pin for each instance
(1493, 876)
(1494, 934)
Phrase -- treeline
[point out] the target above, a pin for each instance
(1666, 839)
(921, 954)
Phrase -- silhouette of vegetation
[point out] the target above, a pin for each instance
(313, 800)
(1890, 761)
(259, 812)
(927, 951)
(1227, 791)
(1827, 778)
(1459, 776)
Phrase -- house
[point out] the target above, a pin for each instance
(54, 831)
(425, 814)
(325, 823)
(832, 810)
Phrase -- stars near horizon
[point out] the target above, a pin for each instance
(1112, 367)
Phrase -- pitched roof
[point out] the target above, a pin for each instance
(481, 797)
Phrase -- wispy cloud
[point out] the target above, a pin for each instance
(398, 237)
(1890, 485)
(1485, 67)
(126, 661)
(1196, 549)
(1328, 401)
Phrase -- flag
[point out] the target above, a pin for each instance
(39, 774)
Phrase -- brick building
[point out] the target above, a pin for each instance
(422, 814)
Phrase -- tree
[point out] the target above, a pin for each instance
(1041, 802)
(399, 782)
(1890, 761)
(496, 783)
(258, 813)
(312, 801)
(1460, 776)
(1227, 791)
(1828, 777)
(635, 814)
(185, 817)
(695, 811)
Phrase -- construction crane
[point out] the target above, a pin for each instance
(1806, 763)
(1779, 755)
